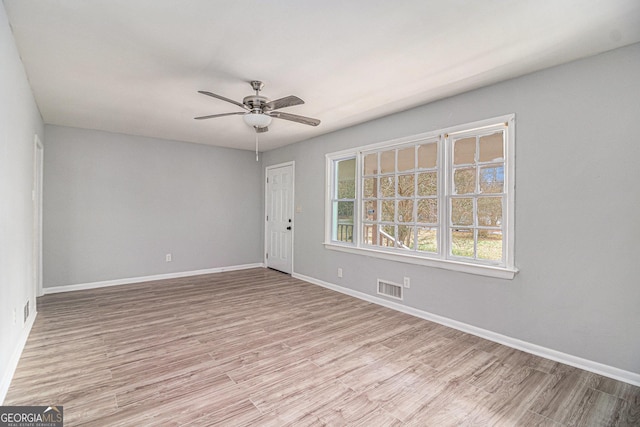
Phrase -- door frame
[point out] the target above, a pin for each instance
(292, 163)
(36, 197)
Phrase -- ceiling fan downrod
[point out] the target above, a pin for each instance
(257, 85)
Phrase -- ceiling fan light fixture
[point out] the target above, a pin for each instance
(257, 120)
(259, 110)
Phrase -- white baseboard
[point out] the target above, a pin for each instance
(10, 369)
(117, 282)
(568, 359)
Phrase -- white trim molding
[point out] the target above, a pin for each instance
(129, 281)
(10, 369)
(463, 267)
(557, 356)
(36, 195)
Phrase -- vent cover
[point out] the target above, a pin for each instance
(389, 289)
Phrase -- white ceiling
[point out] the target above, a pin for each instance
(135, 66)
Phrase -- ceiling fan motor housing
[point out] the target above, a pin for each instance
(255, 102)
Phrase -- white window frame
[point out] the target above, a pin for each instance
(505, 270)
(334, 200)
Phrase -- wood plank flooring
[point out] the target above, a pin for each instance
(257, 347)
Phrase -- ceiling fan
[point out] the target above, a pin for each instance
(259, 110)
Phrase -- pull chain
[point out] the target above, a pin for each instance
(256, 146)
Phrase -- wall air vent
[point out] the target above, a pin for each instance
(389, 289)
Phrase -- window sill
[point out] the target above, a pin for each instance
(477, 269)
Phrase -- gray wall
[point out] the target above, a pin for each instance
(115, 205)
(577, 209)
(19, 122)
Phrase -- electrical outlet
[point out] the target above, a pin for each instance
(168, 258)
(339, 272)
(14, 315)
(407, 282)
(26, 312)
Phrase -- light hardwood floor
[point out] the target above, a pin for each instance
(257, 347)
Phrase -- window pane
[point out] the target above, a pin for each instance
(407, 159)
(346, 171)
(462, 243)
(464, 181)
(345, 211)
(462, 211)
(369, 188)
(428, 210)
(427, 239)
(387, 236)
(427, 184)
(428, 156)
(369, 234)
(491, 148)
(464, 151)
(371, 164)
(405, 210)
(405, 236)
(490, 211)
(370, 207)
(490, 245)
(344, 222)
(389, 210)
(346, 189)
(388, 161)
(388, 186)
(406, 186)
(492, 179)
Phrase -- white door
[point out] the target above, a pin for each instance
(279, 218)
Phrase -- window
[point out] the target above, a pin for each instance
(400, 197)
(343, 200)
(477, 198)
(443, 199)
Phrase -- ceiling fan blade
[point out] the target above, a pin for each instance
(204, 92)
(239, 113)
(287, 101)
(295, 118)
(261, 130)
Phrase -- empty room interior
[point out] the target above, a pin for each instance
(321, 213)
